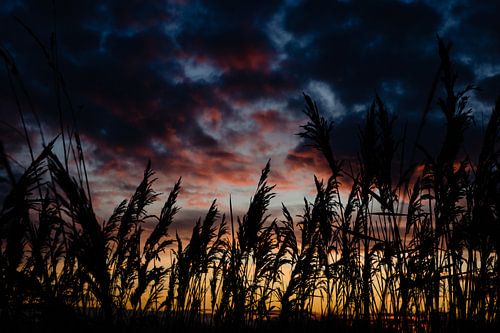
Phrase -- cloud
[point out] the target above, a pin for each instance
(210, 90)
(325, 96)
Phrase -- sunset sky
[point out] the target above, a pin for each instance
(210, 90)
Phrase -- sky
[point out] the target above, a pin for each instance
(211, 90)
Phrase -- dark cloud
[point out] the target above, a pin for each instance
(251, 85)
(368, 47)
(490, 88)
(476, 30)
(211, 89)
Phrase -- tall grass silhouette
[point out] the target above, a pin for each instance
(411, 247)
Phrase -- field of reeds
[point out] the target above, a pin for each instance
(413, 246)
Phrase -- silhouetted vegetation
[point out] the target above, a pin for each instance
(411, 246)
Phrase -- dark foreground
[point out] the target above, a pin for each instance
(70, 322)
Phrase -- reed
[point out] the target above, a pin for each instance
(413, 248)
